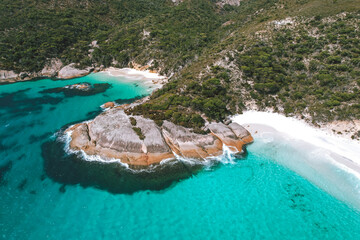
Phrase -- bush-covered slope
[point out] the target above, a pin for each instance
(297, 57)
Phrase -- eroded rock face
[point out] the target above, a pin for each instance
(140, 142)
(108, 105)
(188, 144)
(232, 135)
(8, 75)
(52, 68)
(70, 71)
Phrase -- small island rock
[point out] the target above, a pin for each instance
(139, 141)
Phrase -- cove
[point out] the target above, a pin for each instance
(42, 197)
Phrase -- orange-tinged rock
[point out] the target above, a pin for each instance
(111, 135)
(108, 105)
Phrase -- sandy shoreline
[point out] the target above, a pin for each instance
(329, 161)
(130, 73)
(149, 78)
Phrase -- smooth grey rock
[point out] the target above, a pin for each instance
(70, 71)
(239, 130)
(52, 68)
(221, 129)
(82, 138)
(182, 134)
(4, 74)
(113, 130)
(153, 141)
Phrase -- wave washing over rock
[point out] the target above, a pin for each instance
(140, 142)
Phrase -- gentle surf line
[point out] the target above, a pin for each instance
(296, 129)
(329, 161)
(226, 158)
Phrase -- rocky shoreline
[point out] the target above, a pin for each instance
(140, 142)
(55, 69)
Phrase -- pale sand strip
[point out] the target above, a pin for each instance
(327, 160)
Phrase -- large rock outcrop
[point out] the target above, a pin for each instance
(52, 68)
(190, 145)
(4, 75)
(138, 141)
(70, 71)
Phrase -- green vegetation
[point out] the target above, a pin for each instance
(139, 133)
(307, 73)
(133, 121)
(224, 59)
(124, 30)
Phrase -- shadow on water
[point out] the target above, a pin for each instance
(70, 169)
(20, 104)
(71, 92)
(129, 100)
(3, 170)
(37, 138)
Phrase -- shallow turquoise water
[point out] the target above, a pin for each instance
(251, 198)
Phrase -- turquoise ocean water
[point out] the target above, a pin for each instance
(45, 194)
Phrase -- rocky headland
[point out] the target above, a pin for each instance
(140, 142)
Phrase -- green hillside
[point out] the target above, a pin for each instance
(299, 57)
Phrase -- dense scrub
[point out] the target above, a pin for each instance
(297, 57)
(309, 67)
(33, 31)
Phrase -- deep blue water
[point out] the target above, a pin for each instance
(46, 194)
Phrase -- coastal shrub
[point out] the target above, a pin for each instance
(197, 120)
(215, 108)
(356, 61)
(325, 79)
(224, 75)
(332, 103)
(299, 66)
(334, 59)
(269, 87)
(212, 87)
(139, 133)
(133, 121)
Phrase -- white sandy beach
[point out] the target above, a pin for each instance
(327, 160)
(149, 77)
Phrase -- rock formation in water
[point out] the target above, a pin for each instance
(108, 105)
(80, 89)
(138, 141)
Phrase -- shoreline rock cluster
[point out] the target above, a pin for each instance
(54, 69)
(140, 142)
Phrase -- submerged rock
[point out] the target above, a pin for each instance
(80, 89)
(138, 141)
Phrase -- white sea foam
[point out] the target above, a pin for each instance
(327, 160)
(133, 73)
(152, 80)
(296, 129)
